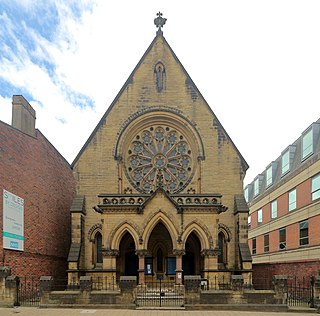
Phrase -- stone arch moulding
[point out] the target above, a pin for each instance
(93, 230)
(159, 144)
(119, 231)
(152, 221)
(202, 233)
(225, 230)
(158, 115)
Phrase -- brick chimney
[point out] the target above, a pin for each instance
(23, 115)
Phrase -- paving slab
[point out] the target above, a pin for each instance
(31, 311)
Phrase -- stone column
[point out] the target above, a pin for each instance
(316, 284)
(109, 265)
(141, 253)
(179, 253)
(210, 261)
(280, 283)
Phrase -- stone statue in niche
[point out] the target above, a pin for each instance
(160, 74)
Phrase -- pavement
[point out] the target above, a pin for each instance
(32, 311)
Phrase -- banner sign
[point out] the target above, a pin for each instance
(13, 221)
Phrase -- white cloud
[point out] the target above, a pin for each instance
(255, 62)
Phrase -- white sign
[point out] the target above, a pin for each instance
(13, 223)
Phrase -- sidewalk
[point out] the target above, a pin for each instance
(30, 311)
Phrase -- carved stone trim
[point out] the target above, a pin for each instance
(141, 253)
(210, 252)
(110, 252)
(93, 229)
(226, 229)
(178, 252)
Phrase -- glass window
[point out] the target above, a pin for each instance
(266, 243)
(304, 233)
(307, 144)
(269, 176)
(315, 190)
(292, 200)
(246, 194)
(282, 238)
(249, 221)
(260, 216)
(254, 246)
(285, 162)
(274, 209)
(256, 187)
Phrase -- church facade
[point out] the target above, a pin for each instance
(159, 183)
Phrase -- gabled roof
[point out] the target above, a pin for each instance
(129, 80)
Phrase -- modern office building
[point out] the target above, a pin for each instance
(284, 202)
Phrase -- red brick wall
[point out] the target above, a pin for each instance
(299, 269)
(304, 193)
(32, 169)
(314, 230)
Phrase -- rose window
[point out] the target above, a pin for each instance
(159, 156)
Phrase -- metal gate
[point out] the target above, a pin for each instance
(300, 292)
(160, 294)
(29, 291)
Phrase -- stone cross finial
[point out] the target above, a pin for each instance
(159, 22)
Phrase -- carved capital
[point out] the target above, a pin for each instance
(110, 252)
(212, 252)
(179, 252)
(141, 253)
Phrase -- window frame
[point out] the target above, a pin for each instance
(256, 187)
(315, 187)
(285, 168)
(269, 176)
(259, 216)
(281, 241)
(254, 245)
(272, 210)
(304, 228)
(266, 243)
(292, 205)
(307, 150)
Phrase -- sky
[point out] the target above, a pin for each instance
(257, 64)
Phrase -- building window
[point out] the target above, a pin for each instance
(285, 162)
(282, 238)
(292, 200)
(254, 246)
(98, 249)
(259, 216)
(256, 187)
(315, 190)
(249, 221)
(246, 194)
(266, 243)
(269, 179)
(307, 144)
(304, 233)
(274, 209)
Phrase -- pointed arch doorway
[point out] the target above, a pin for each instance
(127, 263)
(192, 261)
(160, 262)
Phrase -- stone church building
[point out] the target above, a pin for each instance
(159, 183)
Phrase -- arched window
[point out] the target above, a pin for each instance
(98, 249)
(222, 244)
(160, 75)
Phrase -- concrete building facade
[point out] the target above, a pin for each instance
(284, 202)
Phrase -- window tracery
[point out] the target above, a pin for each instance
(159, 154)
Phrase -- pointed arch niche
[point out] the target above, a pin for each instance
(127, 261)
(192, 261)
(160, 261)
